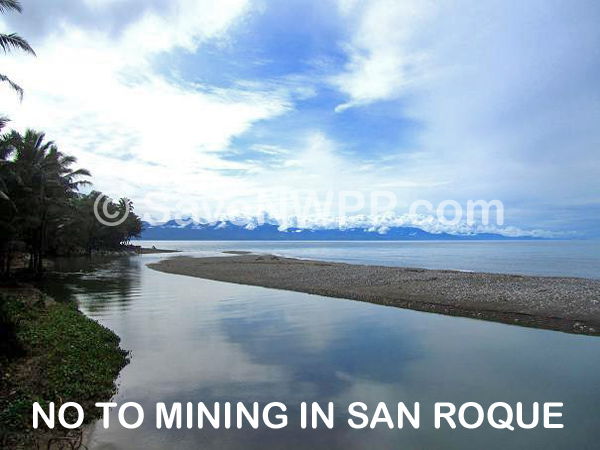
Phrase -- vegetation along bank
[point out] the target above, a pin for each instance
(50, 352)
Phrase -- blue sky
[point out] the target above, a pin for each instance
(229, 100)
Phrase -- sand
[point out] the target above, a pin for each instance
(564, 304)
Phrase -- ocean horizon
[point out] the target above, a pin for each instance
(568, 258)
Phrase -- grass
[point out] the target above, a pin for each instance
(56, 355)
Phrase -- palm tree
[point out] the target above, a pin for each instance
(5, 152)
(7, 206)
(12, 41)
(46, 184)
(132, 226)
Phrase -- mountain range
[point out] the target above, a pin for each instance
(228, 231)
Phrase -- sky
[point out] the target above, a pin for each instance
(236, 101)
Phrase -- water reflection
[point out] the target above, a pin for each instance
(270, 336)
(198, 340)
(104, 282)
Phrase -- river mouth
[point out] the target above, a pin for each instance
(195, 340)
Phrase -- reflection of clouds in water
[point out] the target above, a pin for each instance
(192, 355)
(210, 366)
(325, 344)
(197, 340)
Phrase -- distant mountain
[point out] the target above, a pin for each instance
(227, 231)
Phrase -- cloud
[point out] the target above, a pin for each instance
(372, 223)
(384, 56)
(42, 18)
(228, 99)
(107, 99)
(505, 92)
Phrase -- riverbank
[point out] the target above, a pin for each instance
(19, 261)
(154, 250)
(565, 304)
(51, 352)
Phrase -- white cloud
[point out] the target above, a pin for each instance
(186, 25)
(506, 94)
(382, 224)
(384, 59)
(106, 101)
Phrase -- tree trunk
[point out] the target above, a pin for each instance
(40, 244)
(32, 259)
(3, 260)
(8, 261)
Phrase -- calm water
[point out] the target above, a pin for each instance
(198, 340)
(547, 258)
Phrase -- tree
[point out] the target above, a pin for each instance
(12, 41)
(132, 226)
(42, 211)
(44, 183)
(7, 206)
(5, 151)
(84, 233)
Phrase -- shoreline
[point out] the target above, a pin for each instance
(570, 305)
(154, 251)
(53, 352)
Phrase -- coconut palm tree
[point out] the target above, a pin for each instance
(5, 151)
(4, 154)
(7, 206)
(12, 41)
(46, 183)
(41, 209)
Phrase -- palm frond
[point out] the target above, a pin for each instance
(67, 160)
(6, 145)
(12, 41)
(78, 184)
(8, 5)
(18, 89)
(5, 152)
(80, 173)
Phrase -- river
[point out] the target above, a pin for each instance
(195, 340)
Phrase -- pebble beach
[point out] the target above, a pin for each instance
(559, 303)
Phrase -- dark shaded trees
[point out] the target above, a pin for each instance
(41, 183)
(42, 208)
(85, 233)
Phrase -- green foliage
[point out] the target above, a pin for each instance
(68, 356)
(41, 206)
(12, 41)
(7, 5)
(83, 232)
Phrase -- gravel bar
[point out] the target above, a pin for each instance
(565, 304)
